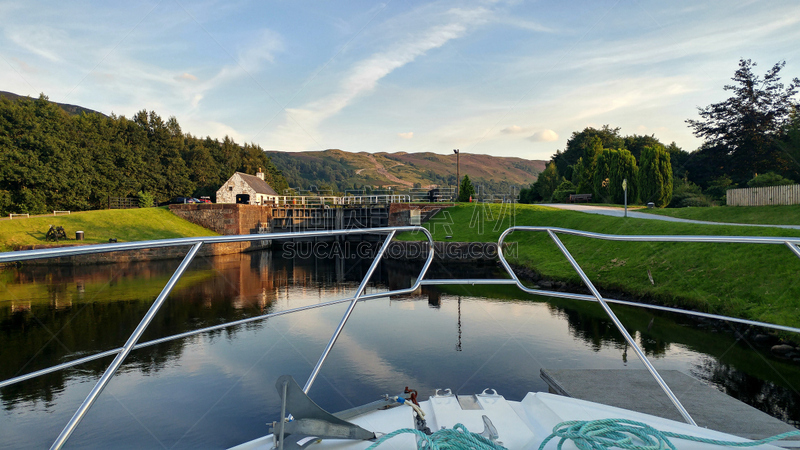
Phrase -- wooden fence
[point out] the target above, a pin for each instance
(124, 202)
(761, 196)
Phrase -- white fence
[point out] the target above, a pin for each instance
(762, 196)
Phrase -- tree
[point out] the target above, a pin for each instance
(789, 145)
(747, 124)
(717, 189)
(585, 167)
(614, 166)
(465, 190)
(547, 182)
(655, 175)
(769, 179)
(526, 195)
(564, 190)
(583, 141)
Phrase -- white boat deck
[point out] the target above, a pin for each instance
(520, 425)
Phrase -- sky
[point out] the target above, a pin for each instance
(505, 78)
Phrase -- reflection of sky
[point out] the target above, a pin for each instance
(220, 391)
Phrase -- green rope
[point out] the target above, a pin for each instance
(620, 433)
(457, 438)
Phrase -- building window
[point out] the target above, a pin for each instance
(230, 188)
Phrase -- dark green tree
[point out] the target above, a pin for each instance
(717, 189)
(563, 191)
(585, 168)
(465, 190)
(50, 160)
(635, 144)
(789, 146)
(769, 179)
(614, 166)
(655, 175)
(547, 182)
(582, 141)
(743, 129)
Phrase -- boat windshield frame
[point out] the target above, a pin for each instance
(360, 294)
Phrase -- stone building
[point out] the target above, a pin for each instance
(247, 189)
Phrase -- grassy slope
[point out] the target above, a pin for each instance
(775, 215)
(124, 224)
(752, 281)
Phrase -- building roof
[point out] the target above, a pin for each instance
(258, 185)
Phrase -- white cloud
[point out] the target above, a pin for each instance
(513, 129)
(41, 41)
(186, 77)
(544, 136)
(408, 135)
(365, 75)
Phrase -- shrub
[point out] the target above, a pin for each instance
(146, 199)
(564, 190)
(768, 179)
(686, 193)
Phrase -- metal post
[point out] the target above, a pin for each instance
(624, 332)
(126, 349)
(458, 172)
(349, 311)
(625, 190)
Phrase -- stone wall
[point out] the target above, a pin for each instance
(235, 185)
(398, 219)
(225, 219)
(151, 254)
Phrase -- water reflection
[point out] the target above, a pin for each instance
(49, 315)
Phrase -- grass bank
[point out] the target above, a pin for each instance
(125, 225)
(757, 282)
(773, 215)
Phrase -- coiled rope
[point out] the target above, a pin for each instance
(620, 433)
(602, 434)
(456, 438)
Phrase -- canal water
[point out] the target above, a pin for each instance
(217, 389)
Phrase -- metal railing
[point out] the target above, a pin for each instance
(360, 295)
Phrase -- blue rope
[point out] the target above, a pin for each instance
(602, 434)
(457, 438)
(620, 433)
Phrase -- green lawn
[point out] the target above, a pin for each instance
(98, 226)
(757, 282)
(775, 215)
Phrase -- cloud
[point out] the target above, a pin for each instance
(408, 135)
(248, 61)
(513, 129)
(39, 40)
(365, 74)
(544, 136)
(186, 77)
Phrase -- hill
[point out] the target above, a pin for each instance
(126, 225)
(345, 170)
(72, 110)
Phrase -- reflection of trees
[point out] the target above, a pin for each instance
(777, 401)
(598, 331)
(215, 290)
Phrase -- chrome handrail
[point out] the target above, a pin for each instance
(551, 231)
(196, 242)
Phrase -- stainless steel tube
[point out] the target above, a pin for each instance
(126, 349)
(347, 313)
(622, 330)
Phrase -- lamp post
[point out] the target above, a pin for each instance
(458, 173)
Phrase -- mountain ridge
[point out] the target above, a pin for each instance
(73, 110)
(342, 170)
